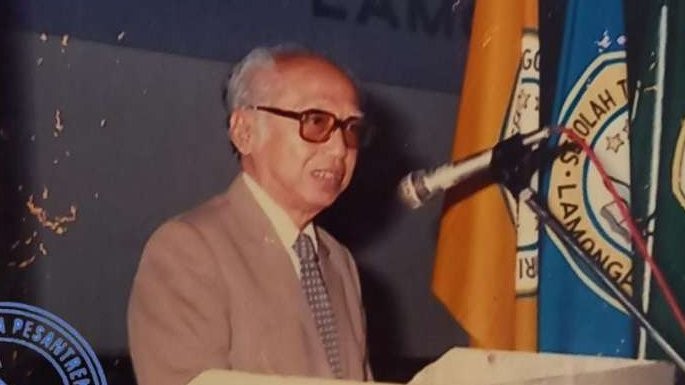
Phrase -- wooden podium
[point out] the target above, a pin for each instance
(464, 366)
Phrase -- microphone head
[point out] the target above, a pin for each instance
(412, 191)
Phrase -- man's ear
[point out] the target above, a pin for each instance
(240, 131)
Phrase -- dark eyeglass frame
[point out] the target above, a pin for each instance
(352, 138)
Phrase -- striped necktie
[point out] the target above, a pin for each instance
(319, 302)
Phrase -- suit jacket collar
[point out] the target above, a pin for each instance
(255, 219)
(274, 260)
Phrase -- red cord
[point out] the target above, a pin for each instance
(634, 232)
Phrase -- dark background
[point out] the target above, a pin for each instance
(144, 138)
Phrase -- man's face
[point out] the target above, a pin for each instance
(300, 175)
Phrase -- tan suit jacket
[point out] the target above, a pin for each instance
(215, 288)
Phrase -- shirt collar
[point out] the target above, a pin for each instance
(285, 229)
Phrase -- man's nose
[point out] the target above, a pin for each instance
(336, 143)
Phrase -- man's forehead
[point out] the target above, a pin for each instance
(311, 71)
(311, 66)
(289, 61)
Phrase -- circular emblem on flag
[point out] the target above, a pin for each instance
(523, 117)
(596, 109)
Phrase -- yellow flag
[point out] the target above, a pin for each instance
(478, 275)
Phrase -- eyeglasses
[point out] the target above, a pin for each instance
(316, 126)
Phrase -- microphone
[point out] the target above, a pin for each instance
(418, 187)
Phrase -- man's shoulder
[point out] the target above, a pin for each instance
(189, 226)
(217, 209)
(206, 218)
(206, 212)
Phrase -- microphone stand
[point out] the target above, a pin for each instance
(516, 176)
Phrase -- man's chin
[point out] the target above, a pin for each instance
(322, 199)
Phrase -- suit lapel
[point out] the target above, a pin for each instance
(272, 261)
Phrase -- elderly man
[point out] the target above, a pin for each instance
(246, 281)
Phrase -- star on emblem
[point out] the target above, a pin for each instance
(614, 142)
(604, 43)
(522, 99)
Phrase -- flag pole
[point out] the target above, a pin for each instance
(530, 197)
(516, 177)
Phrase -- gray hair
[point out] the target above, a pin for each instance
(242, 87)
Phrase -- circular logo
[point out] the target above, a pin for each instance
(35, 343)
(596, 109)
(523, 117)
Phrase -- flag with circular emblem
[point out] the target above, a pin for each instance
(486, 282)
(578, 315)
